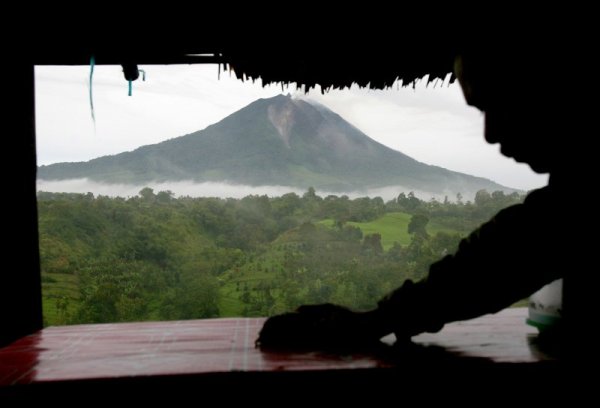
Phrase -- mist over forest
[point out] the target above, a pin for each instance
(226, 190)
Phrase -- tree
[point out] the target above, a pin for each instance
(409, 203)
(286, 205)
(163, 196)
(395, 253)
(310, 194)
(417, 225)
(351, 233)
(196, 297)
(372, 243)
(482, 197)
(147, 194)
(443, 243)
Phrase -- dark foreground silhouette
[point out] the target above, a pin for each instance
(518, 251)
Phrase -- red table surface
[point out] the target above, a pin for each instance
(224, 345)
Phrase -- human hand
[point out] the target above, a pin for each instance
(322, 327)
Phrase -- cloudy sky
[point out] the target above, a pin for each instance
(430, 124)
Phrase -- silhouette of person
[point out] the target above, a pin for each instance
(506, 259)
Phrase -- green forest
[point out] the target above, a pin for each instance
(157, 257)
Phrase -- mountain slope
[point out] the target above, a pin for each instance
(275, 141)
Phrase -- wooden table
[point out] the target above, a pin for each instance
(221, 351)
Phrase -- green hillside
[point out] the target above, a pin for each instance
(154, 257)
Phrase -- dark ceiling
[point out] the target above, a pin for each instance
(376, 61)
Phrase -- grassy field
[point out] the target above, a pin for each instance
(393, 227)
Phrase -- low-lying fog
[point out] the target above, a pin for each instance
(224, 190)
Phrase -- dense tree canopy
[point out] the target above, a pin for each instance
(154, 256)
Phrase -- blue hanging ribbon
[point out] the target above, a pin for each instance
(92, 64)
